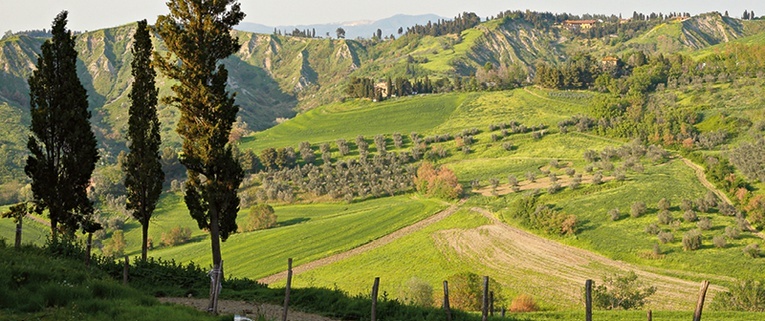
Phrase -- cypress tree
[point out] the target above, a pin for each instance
(143, 170)
(62, 145)
(198, 34)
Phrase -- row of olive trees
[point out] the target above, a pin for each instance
(386, 174)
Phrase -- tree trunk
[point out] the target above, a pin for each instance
(215, 235)
(145, 238)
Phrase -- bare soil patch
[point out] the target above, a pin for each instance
(555, 271)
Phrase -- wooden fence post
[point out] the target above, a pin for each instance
(287, 289)
(375, 288)
(125, 271)
(447, 309)
(17, 243)
(700, 302)
(491, 303)
(485, 304)
(650, 315)
(503, 312)
(588, 300)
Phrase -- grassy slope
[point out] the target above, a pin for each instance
(38, 287)
(310, 231)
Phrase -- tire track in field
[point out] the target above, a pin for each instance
(554, 271)
(385, 240)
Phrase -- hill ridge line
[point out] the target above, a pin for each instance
(382, 241)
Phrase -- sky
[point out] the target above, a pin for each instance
(85, 15)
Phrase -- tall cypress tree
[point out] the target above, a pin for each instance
(198, 34)
(143, 170)
(62, 145)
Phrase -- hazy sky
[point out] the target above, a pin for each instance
(96, 14)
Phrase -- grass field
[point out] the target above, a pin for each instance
(311, 232)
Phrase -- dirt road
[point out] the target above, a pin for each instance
(247, 309)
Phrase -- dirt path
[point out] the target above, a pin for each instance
(248, 309)
(703, 179)
(552, 270)
(366, 247)
(38, 220)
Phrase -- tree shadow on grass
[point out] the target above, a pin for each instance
(294, 221)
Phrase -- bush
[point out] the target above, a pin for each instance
(652, 229)
(666, 237)
(752, 250)
(732, 232)
(260, 217)
(614, 214)
(621, 292)
(692, 240)
(597, 178)
(637, 209)
(704, 223)
(418, 292)
(466, 291)
(115, 247)
(523, 303)
(690, 216)
(437, 182)
(665, 217)
(747, 295)
(686, 205)
(719, 241)
(177, 235)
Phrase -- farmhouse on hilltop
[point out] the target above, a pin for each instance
(579, 24)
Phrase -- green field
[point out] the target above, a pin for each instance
(311, 232)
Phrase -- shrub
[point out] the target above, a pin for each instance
(652, 229)
(719, 241)
(554, 188)
(692, 240)
(666, 237)
(686, 205)
(115, 247)
(570, 171)
(507, 146)
(576, 181)
(665, 217)
(690, 216)
(512, 180)
(614, 214)
(752, 250)
(597, 178)
(523, 303)
(466, 291)
(418, 292)
(530, 177)
(732, 232)
(260, 217)
(746, 295)
(437, 182)
(704, 223)
(637, 209)
(177, 235)
(621, 292)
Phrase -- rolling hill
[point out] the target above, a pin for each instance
(291, 91)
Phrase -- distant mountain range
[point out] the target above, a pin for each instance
(353, 29)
